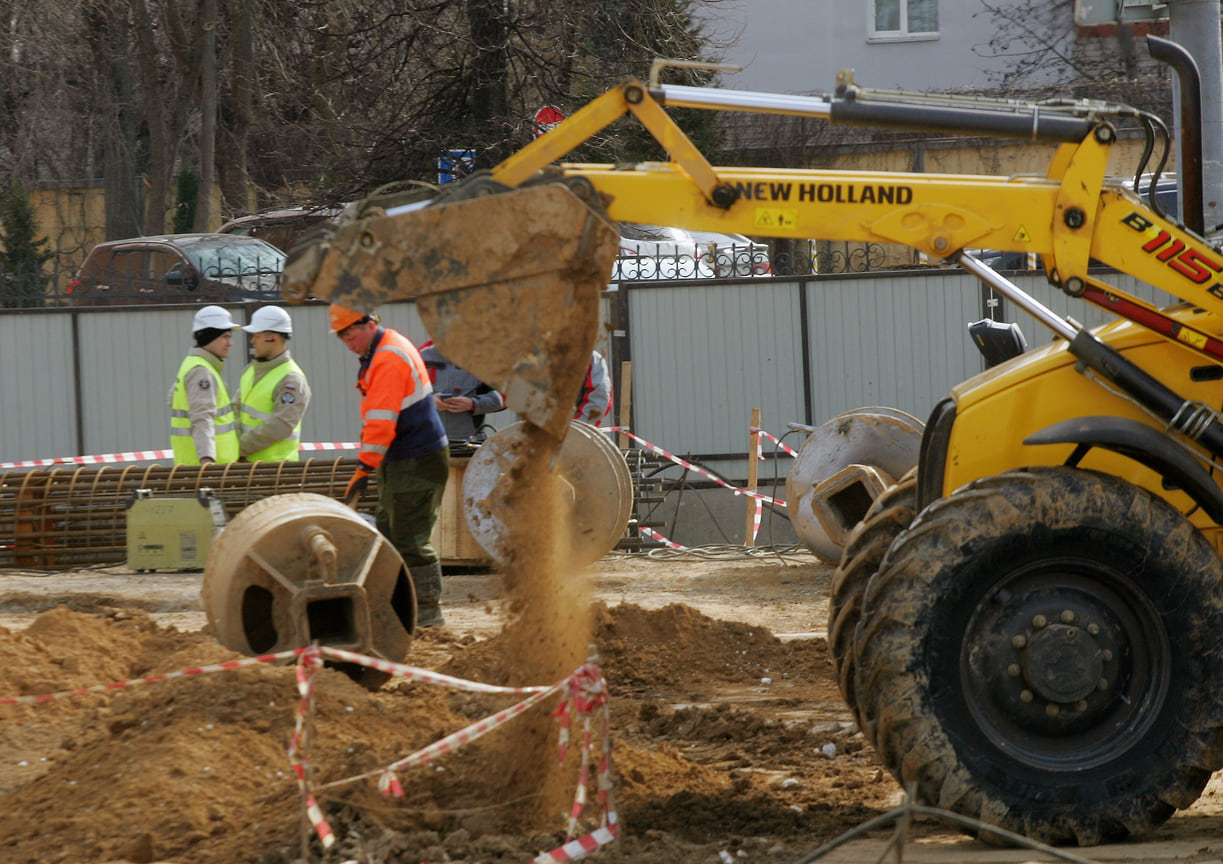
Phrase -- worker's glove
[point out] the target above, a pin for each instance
(358, 485)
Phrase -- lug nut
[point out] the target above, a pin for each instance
(1067, 616)
(1026, 696)
(1102, 684)
(1052, 710)
(1093, 629)
(1080, 706)
(1019, 641)
(1039, 621)
(1106, 655)
(1013, 670)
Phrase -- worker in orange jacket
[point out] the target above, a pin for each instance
(404, 443)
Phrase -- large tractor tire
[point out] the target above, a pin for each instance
(890, 514)
(1043, 651)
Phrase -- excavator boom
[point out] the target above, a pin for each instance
(506, 266)
(1027, 624)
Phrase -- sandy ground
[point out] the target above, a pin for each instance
(731, 741)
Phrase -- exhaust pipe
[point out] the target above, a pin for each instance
(1189, 116)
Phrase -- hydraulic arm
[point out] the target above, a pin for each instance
(1027, 627)
(507, 265)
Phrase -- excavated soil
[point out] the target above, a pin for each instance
(730, 739)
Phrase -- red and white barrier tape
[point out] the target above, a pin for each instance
(696, 468)
(155, 455)
(148, 456)
(584, 690)
(654, 535)
(783, 447)
(308, 665)
(185, 673)
(409, 672)
(755, 523)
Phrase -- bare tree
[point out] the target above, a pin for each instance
(310, 98)
(1047, 56)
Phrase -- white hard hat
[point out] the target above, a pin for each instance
(212, 317)
(270, 318)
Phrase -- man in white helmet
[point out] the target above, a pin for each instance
(273, 394)
(202, 427)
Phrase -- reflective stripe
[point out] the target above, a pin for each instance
(380, 414)
(180, 414)
(186, 432)
(222, 428)
(373, 448)
(420, 395)
(255, 414)
(402, 355)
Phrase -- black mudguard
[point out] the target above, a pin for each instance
(1157, 450)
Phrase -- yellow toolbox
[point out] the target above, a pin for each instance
(171, 532)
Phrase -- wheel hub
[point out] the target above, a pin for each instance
(1056, 669)
(1062, 663)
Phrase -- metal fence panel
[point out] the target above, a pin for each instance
(705, 355)
(37, 395)
(895, 340)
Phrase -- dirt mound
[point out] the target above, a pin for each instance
(195, 769)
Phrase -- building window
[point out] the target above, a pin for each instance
(904, 19)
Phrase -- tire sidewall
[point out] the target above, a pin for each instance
(950, 567)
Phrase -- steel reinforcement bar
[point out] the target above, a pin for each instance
(66, 518)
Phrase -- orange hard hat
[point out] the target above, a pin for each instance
(342, 317)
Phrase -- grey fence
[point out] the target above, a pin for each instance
(704, 353)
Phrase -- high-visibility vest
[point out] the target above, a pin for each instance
(257, 406)
(225, 432)
(398, 419)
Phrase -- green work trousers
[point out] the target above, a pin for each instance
(409, 501)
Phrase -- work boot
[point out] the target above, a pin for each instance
(427, 579)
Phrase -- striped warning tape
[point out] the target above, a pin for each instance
(149, 456)
(409, 672)
(155, 455)
(583, 691)
(308, 664)
(780, 446)
(447, 745)
(756, 517)
(185, 673)
(654, 535)
(684, 463)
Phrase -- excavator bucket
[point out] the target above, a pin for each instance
(507, 284)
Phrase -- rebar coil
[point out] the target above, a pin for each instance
(76, 516)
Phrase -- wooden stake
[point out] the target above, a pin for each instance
(753, 455)
(626, 400)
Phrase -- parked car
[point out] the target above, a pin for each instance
(178, 268)
(281, 228)
(661, 252)
(734, 254)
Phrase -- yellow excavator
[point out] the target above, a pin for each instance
(1029, 627)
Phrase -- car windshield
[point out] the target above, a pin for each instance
(252, 267)
(236, 259)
